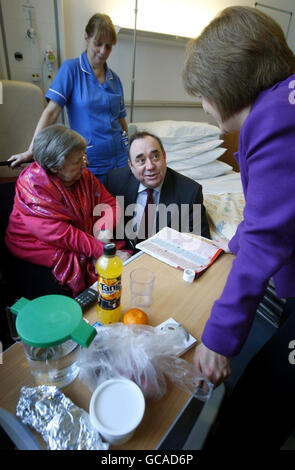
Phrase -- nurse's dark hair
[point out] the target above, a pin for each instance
(53, 144)
(101, 25)
(240, 53)
(143, 135)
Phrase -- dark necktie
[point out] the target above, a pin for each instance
(146, 225)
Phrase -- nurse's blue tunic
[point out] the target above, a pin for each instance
(93, 110)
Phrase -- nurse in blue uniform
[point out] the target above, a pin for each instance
(93, 96)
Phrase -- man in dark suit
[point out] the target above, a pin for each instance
(177, 200)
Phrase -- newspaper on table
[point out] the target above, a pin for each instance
(181, 250)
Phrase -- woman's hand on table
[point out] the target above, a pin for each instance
(211, 365)
(222, 243)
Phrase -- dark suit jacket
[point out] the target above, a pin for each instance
(177, 189)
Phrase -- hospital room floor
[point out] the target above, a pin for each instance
(261, 332)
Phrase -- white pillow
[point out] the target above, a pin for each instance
(207, 171)
(170, 131)
(175, 161)
(175, 146)
(193, 150)
(229, 183)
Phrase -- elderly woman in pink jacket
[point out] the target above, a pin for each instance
(53, 221)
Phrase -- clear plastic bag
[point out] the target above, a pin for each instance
(144, 354)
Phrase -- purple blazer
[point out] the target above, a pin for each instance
(264, 243)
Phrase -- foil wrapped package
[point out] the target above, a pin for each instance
(61, 423)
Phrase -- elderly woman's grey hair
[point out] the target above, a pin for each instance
(53, 144)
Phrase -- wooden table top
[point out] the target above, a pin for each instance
(189, 304)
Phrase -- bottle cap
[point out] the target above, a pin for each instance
(188, 275)
(109, 249)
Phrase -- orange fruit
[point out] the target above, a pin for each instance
(135, 315)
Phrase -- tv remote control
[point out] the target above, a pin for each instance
(87, 297)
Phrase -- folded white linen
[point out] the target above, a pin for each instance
(229, 183)
(209, 170)
(193, 150)
(169, 131)
(177, 163)
(183, 144)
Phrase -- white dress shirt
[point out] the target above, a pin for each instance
(141, 202)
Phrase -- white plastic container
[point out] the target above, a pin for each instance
(116, 408)
(189, 275)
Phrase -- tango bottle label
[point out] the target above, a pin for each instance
(109, 292)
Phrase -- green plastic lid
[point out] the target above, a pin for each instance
(50, 320)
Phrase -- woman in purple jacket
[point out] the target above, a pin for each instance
(243, 70)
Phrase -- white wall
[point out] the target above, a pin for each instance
(177, 17)
(16, 17)
(3, 70)
(158, 65)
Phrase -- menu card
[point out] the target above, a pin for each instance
(181, 250)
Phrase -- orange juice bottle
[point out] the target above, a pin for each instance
(109, 268)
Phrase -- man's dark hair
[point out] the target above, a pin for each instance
(143, 135)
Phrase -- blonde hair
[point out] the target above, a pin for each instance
(239, 54)
(101, 25)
